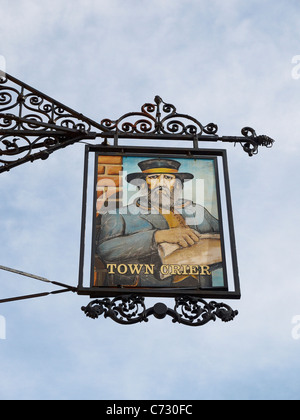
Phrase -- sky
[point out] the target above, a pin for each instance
(230, 62)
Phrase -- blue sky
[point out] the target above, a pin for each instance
(224, 62)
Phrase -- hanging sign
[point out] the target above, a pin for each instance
(158, 225)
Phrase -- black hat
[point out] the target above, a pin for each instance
(159, 166)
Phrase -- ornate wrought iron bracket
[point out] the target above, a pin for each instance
(131, 309)
(33, 125)
(161, 121)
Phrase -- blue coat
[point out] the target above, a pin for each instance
(127, 237)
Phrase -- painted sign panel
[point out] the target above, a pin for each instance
(158, 223)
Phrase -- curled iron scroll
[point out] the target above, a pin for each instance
(131, 309)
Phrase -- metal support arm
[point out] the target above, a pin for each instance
(33, 125)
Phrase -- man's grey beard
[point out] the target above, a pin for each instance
(162, 198)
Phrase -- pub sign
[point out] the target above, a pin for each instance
(158, 225)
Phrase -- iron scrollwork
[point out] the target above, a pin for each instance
(159, 119)
(253, 141)
(33, 125)
(131, 309)
(123, 309)
(195, 311)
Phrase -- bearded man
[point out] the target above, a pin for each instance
(158, 225)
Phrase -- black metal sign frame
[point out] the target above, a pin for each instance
(216, 292)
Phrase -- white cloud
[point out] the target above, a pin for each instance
(225, 62)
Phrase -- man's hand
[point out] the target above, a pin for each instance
(183, 236)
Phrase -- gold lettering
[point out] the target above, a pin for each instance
(171, 269)
(193, 269)
(175, 269)
(164, 269)
(110, 268)
(205, 270)
(132, 268)
(184, 270)
(149, 268)
(122, 269)
(135, 268)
